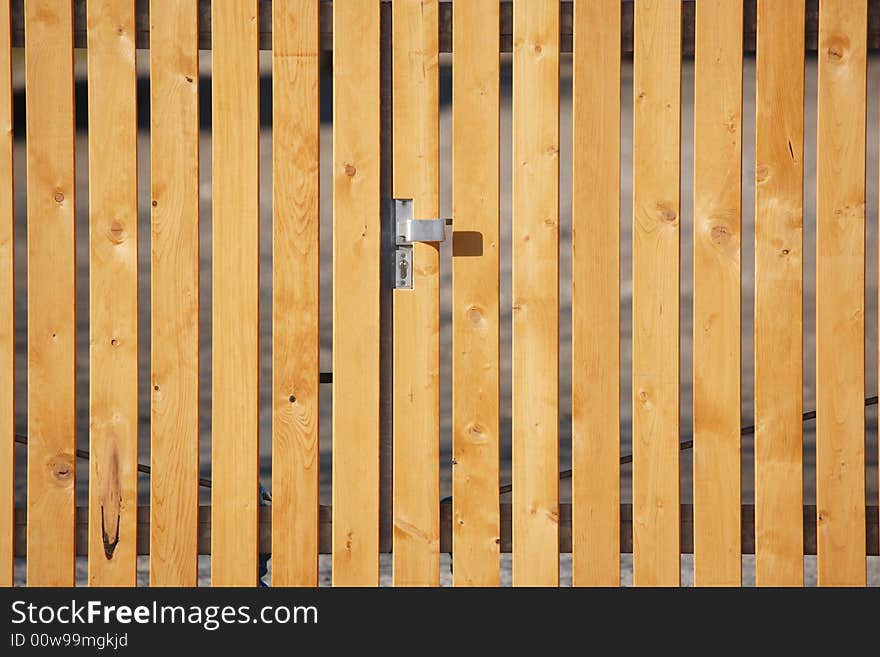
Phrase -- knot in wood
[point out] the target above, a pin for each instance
(720, 235)
(62, 468)
(666, 214)
(117, 232)
(838, 46)
(762, 172)
(477, 433)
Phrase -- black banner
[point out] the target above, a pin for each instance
(270, 621)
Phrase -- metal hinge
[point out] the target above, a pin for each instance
(410, 231)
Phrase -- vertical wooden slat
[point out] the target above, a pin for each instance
(416, 489)
(174, 183)
(295, 309)
(535, 293)
(779, 149)
(356, 235)
(656, 233)
(235, 364)
(595, 376)
(476, 522)
(840, 293)
(717, 291)
(113, 302)
(7, 309)
(51, 208)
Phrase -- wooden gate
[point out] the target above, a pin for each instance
(386, 381)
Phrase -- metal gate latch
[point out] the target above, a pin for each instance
(410, 231)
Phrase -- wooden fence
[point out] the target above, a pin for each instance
(385, 64)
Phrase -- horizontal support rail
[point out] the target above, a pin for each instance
(687, 529)
(566, 23)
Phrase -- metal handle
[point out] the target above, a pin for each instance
(410, 231)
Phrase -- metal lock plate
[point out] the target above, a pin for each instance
(410, 231)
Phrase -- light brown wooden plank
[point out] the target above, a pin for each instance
(51, 292)
(174, 181)
(113, 298)
(656, 246)
(779, 174)
(717, 292)
(356, 253)
(236, 293)
(840, 293)
(595, 402)
(416, 489)
(295, 280)
(7, 310)
(475, 288)
(536, 294)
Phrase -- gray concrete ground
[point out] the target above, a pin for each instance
(565, 294)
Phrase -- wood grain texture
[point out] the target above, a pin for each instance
(717, 292)
(595, 402)
(174, 183)
(235, 146)
(51, 249)
(356, 266)
(7, 307)
(840, 293)
(656, 253)
(113, 298)
(295, 289)
(535, 406)
(475, 289)
(779, 130)
(416, 488)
